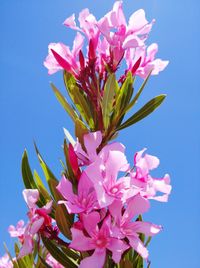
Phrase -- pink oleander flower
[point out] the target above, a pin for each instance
(17, 231)
(124, 36)
(103, 173)
(97, 239)
(123, 225)
(38, 219)
(84, 201)
(5, 262)
(92, 142)
(60, 57)
(88, 25)
(52, 262)
(109, 41)
(147, 60)
(144, 163)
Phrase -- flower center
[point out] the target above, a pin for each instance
(101, 242)
(114, 190)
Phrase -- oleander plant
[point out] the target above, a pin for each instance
(92, 215)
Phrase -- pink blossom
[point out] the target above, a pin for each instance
(60, 57)
(84, 201)
(17, 231)
(38, 218)
(5, 262)
(53, 262)
(142, 179)
(124, 36)
(92, 141)
(97, 239)
(123, 226)
(148, 62)
(88, 25)
(104, 175)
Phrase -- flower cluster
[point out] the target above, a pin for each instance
(108, 206)
(93, 215)
(111, 39)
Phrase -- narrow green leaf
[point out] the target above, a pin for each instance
(58, 254)
(64, 103)
(132, 103)
(52, 186)
(79, 98)
(27, 173)
(45, 264)
(15, 264)
(111, 87)
(124, 95)
(49, 176)
(147, 109)
(148, 241)
(71, 253)
(28, 177)
(47, 172)
(63, 220)
(126, 264)
(80, 131)
(42, 189)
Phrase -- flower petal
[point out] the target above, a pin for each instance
(65, 188)
(31, 197)
(96, 260)
(138, 246)
(80, 241)
(136, 205)
(117, 247)
(147, 228)
(90, 222)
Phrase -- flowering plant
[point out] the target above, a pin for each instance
(92, 216)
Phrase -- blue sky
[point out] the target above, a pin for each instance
(29, 111)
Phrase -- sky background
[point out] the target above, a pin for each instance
(29, 111)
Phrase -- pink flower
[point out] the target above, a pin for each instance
(52, 262)
(5, 262)
(103, 174)
(124, 36)
(92, 141)
(60, 57)
(38, 219)
(87, 25)
(148, 62)
(142, 179)
(17, 231)
(123, 226)
(84, 201)
(97, 239)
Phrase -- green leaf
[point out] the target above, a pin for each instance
(58, 254)
(124, 95)
(132, 103)
(27, 173)
(71, 253)
(28, 177)
(80, 131)
(126, 264)
(79, 98)
(15, 264)
(49, 176)
(42, 189)
(111, 87)
(147, 109)
(63, 220)
(64, 103)
(45, 264)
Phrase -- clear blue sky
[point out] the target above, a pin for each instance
(29, 111)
